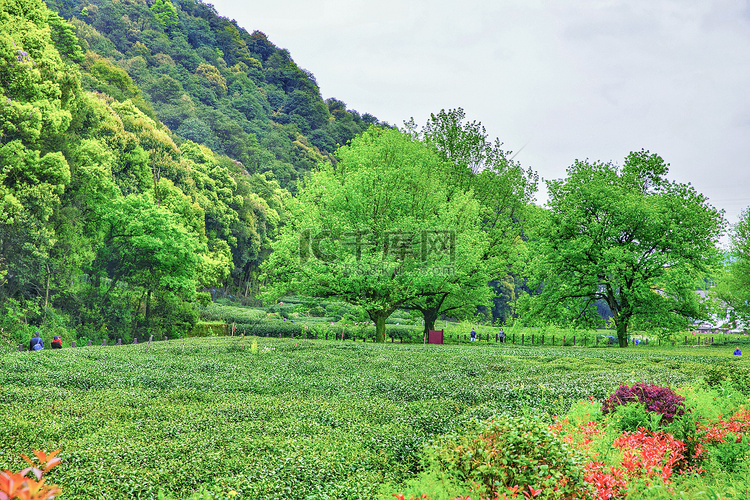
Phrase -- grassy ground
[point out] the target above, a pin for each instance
(285, 419)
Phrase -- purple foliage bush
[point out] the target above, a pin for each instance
(655, 398)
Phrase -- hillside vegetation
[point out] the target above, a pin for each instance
(147, 151)
(210, 81)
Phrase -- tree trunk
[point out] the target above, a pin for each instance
(380, 328)
(379, 316)
(431, 311)
(46, 290)
(622, 330)
(148, 312)
(430, 316)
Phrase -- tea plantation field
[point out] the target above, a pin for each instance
(288, 419)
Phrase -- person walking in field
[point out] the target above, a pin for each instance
(36, 343)
(473, 335)
(501, 335)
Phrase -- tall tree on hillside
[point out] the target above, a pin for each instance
(626, 235)
(377, 229)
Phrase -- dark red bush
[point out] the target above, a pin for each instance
(655, 398)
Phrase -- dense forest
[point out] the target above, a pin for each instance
(147, 150)
(211, 82)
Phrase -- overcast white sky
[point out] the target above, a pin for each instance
(555, 81)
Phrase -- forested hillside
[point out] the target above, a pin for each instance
(211, 81)
(145, 153)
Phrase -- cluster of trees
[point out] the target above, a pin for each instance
(109, 222)
(418, 219)
(625, 237)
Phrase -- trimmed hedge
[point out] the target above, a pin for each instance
(208, 329)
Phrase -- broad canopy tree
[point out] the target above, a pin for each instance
(377, 228)
(626, 235)
(503, 189)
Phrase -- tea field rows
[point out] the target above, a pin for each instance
(288, 419)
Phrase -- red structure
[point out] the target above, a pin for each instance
(435, 337)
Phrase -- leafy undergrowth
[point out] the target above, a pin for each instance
(592, 454)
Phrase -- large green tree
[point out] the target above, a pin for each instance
(376, 229)
(626, 235)
(503, 189)
(733, 286)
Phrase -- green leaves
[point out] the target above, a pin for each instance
(627, 236)
(152, 248)
(733, 283)
(378, 229)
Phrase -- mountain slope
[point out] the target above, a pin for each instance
(212, 82)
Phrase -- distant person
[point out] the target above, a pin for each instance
(36, 343)
(473, 335)
(501, 335)
(737, 352)
(56, 342)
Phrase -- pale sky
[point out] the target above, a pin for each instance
(555, 81)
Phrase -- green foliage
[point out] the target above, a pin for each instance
(628, 236)
(502, 189)
(303, 416)
(361, 231)
(733, 287)
(212, 82)
(165, 14)
(229, 314)
(492, 457)
(208, 329)
(631, 417)
(104, 165)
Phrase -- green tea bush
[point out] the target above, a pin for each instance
(739, 377)
(405, 333)
(231, 314)
(511, 454)
(207, 329)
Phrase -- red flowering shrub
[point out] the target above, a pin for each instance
(716, 432)
(19, 486)
(652, 456)
(727, 441)
(655, 398)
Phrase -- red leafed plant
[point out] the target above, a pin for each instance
(29, 484)
(655, 398)
(652, 456)
(716, 432)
